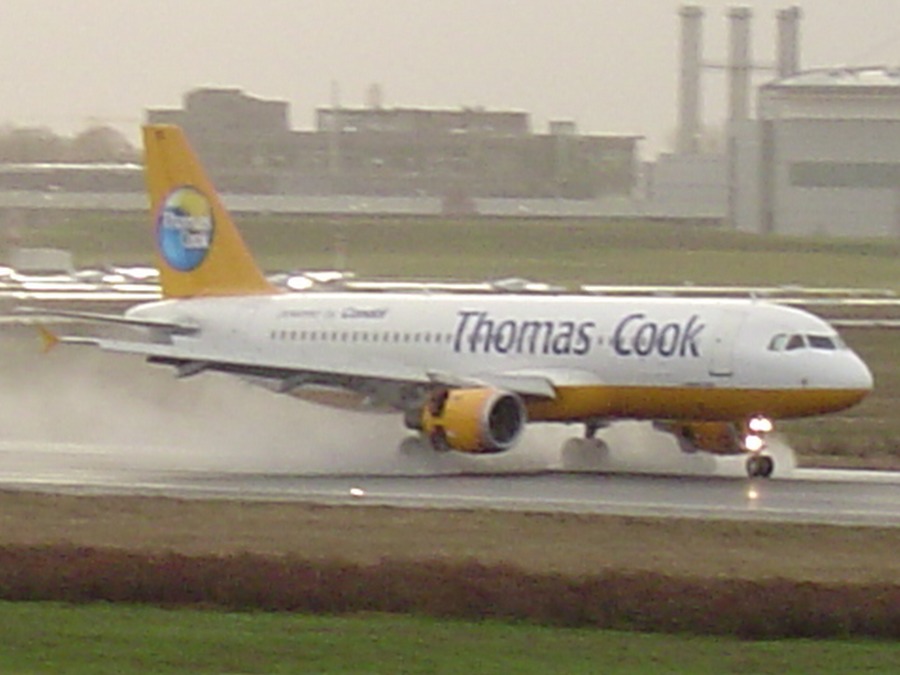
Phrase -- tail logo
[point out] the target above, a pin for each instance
(185, 228)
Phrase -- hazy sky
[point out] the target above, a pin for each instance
(609, 65)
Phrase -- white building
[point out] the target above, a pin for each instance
(823, 157)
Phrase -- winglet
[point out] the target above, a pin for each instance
(49, 339)
(199, 249)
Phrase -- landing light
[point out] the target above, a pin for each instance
(753, 443)
(760, 425)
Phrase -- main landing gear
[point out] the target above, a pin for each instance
(588, 452)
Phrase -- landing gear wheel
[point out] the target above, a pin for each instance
(760, 466)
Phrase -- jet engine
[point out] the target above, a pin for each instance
(478, 421)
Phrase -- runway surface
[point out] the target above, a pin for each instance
(807, 496)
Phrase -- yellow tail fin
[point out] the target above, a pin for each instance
(199, 250)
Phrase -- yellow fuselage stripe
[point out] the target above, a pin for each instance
(700, 403)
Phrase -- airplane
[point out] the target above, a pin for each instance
(468, 372)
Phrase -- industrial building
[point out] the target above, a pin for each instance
(804, 152)
(823, 156)
(412, 152)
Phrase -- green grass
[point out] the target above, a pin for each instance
(48, 638)
(560, 251)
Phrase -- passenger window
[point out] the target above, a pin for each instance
(795, 342)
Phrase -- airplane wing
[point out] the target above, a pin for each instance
(526, 384)
(535, 384)
(538, 384)
(119, 319)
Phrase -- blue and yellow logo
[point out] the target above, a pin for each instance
(184, 228)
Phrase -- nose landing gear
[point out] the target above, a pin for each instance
(760, 465)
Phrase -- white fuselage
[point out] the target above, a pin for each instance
(641, 349)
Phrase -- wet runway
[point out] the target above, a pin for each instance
(807, 496)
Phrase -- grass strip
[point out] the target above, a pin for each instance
(49, 637)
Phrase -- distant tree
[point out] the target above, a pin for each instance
(101, 144)
(39, 144)
(31, 144)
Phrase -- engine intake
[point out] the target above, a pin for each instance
(480, 421)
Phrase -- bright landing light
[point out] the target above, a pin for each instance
(760, 425)
(753, 443)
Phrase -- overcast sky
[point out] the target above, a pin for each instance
(609, 65)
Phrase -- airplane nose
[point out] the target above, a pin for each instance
(855, 375)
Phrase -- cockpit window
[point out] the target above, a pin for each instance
(795, 342)
(820, 342)
(778, 342)
(788, 343)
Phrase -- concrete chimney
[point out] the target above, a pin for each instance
(688, 141)
(788, 57)
(739, 64)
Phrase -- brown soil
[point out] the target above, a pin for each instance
(570, 544)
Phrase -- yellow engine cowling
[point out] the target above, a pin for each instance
(721, 438)
(479, 421)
